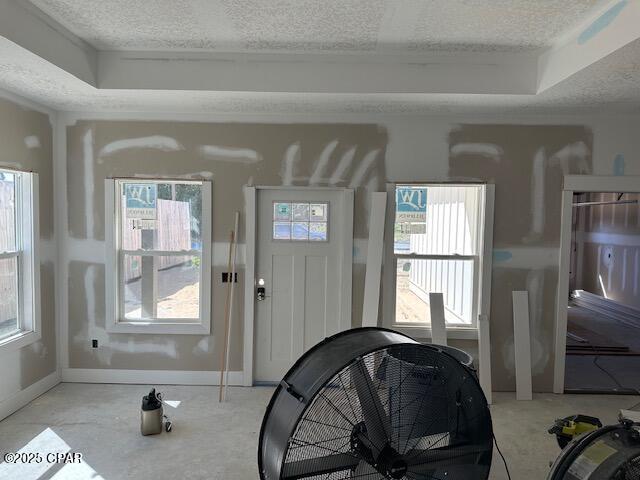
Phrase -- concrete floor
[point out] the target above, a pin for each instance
(219, 441)
(580, 371)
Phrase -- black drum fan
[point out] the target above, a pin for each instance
(371, 403)
(608, 453)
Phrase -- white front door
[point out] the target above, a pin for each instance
(300, 258)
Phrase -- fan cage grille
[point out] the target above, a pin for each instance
(429, 402)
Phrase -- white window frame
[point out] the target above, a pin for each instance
(28, 244)
(115, 323)
(480, 265)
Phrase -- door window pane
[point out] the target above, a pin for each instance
(282, 230)
(318, 231)
(300, 231)
(8, 297)
(300, 221)
(300, 212)
(281, 212)
(318, 212)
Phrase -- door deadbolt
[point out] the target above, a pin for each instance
(261, 291)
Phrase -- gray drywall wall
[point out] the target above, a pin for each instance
(26, 144)
(233, 155)
(410, 149)
(526, 163)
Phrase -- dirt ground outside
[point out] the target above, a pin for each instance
(409, 307)
(178, 293)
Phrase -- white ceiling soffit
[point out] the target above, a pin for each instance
(105, 49)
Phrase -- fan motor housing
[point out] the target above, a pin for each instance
(608, 453)
(436, 380)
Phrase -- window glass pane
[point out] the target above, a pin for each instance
(7, 212)
(176, 281)
(281, 230)
(318, 212)
(179, 287)
(162, 216)
(415, 279)
(318, 231)
(8, 296)
(132, 295)
(281, 212)
(437, 220)
(300, 212)
(300, 231)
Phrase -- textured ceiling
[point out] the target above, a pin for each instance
(321, 25)
(611, 84)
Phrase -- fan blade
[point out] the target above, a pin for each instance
(375, 417)
(319, 466)
(421, 461)
(363, 469)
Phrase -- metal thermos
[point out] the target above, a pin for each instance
(151, 414)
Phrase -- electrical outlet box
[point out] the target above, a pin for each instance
(226, 275)
(94, 343)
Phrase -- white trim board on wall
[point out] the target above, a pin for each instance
(149, 377)
(27, 395)
(375, 252)
(577, 183)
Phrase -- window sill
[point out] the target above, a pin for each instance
(455, 333)
(18, 341)
(159, 328)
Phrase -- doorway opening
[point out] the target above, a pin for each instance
(603, 309)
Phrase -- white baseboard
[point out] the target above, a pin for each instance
(23, 397)
(148, 377)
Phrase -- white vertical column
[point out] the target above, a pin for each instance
(374, 259)
(438, 325)
(522, 345)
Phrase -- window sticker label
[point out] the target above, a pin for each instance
(318, 212)
(141, 200)
(587, 463)
(411, 204)
(281, 212)
(141, 224)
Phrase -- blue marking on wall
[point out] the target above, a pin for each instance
(502, 256)
(601, 22)
(618, 164)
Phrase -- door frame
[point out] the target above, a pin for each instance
(571, 184)
(346, 265)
